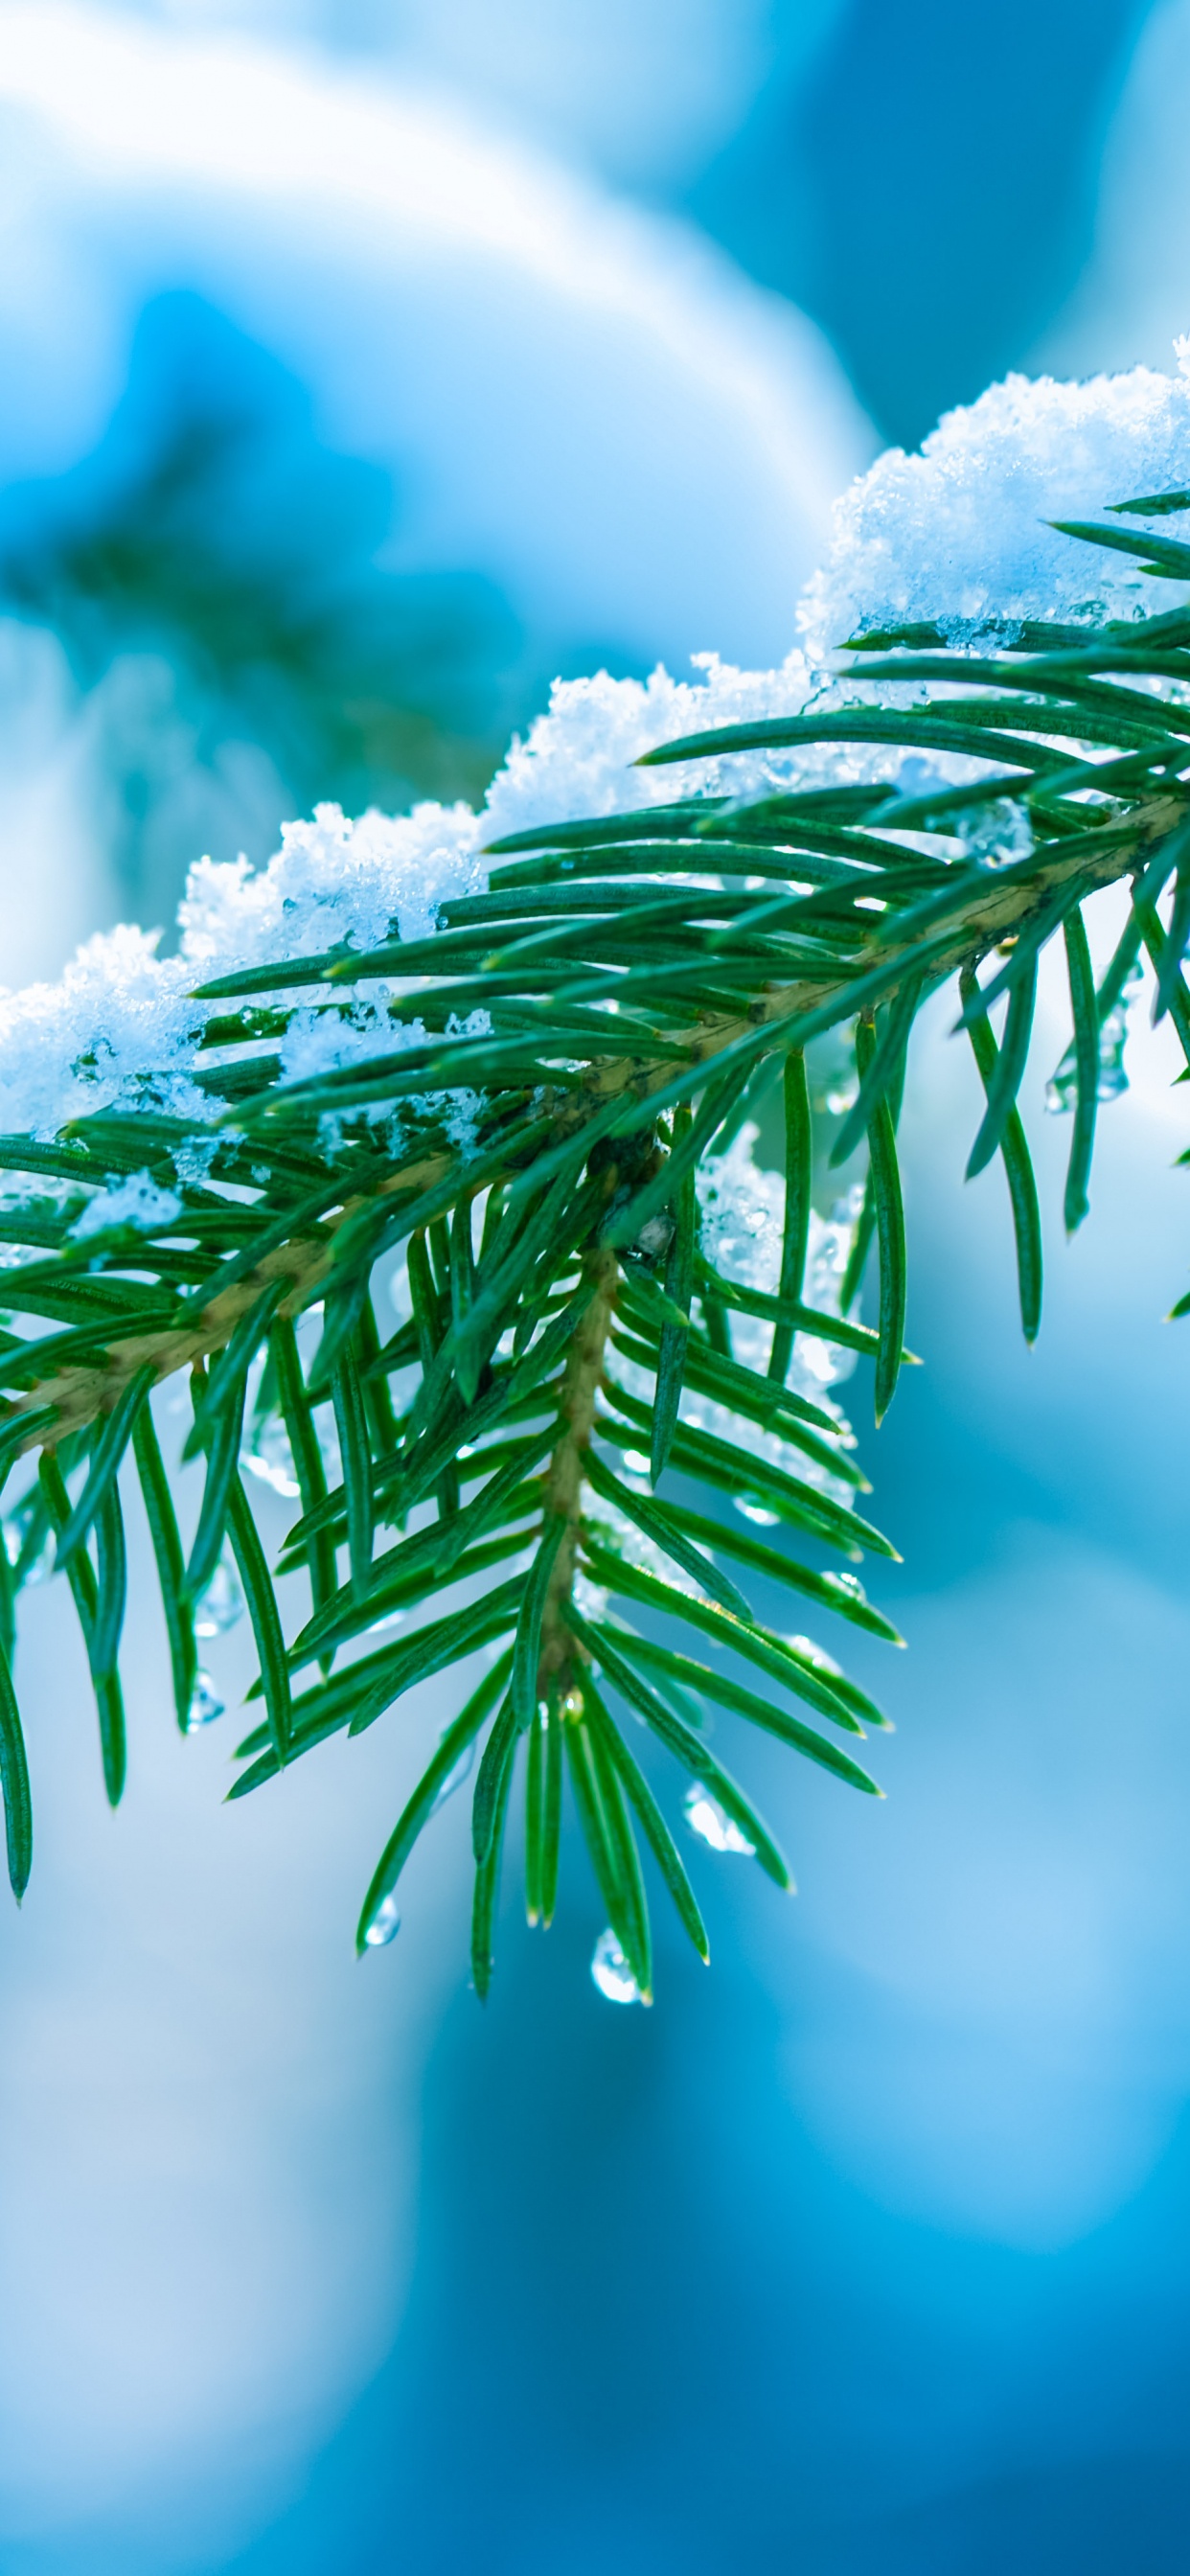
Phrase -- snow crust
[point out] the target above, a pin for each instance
(955, 534)
(958, 533)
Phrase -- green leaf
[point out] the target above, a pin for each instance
(1159, 553)
(861, 1245)
(223, 1390)
(1154, 507)
(24, 1430)
(1086, 1055)
(799, 1175)
(741, 1472)
(916, 728)
(717, 1685)
(356, 1697)
(105, 1461)
(551, 1817)
(679, 1284)
(352, 1427)
(689, 1749)
(804, 1319)
(523, 1695)
(890, 1227)
(358, 1616)
(535, 1811)
(608, 1836)
(1175, 942)
(343, 1306)
(111, 1585)
(80, 1575)
(167, 1550)
(420, 1806)
(830, 1591)
(222, 1443)
(653, 1824)
(1009, 1069)
(487, 1877)
(264, 1614)
(113, 1741)
(491, 1778)
(638, 1948)
(655, 1522)
(14, 1782)
(8, 1597)
(885, 1063)
(1022, 1187)
(757, 1645)
(301, 1432)
(1178, 999)
(758, 1399)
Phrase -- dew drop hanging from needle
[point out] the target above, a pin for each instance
(712, 1824)
(205, 1705)
(269, 1456)
(611, 1972)
(384, 1926)
(221, 1605)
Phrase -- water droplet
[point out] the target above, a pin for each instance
(752, 1509)
(711, 1822)
(15, 1529)
(455, 1778)
(271, 1458)
(816, 1655)
(221, 1604)
(205, 1706)
(385, 1924)
(611, 1971)
(1061, 1092)
(1112, 1039)
(848, 1583)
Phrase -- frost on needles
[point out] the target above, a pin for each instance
(484, 1173)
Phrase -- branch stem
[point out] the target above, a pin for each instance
(79, 1395)
(564, 1481)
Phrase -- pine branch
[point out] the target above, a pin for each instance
(581, 1405)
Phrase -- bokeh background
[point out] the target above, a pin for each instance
(362, 366)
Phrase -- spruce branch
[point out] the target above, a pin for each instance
(594, 1450)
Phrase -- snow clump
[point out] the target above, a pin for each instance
(137, 1202)
(958, 534)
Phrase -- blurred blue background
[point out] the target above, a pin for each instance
(363, 366)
